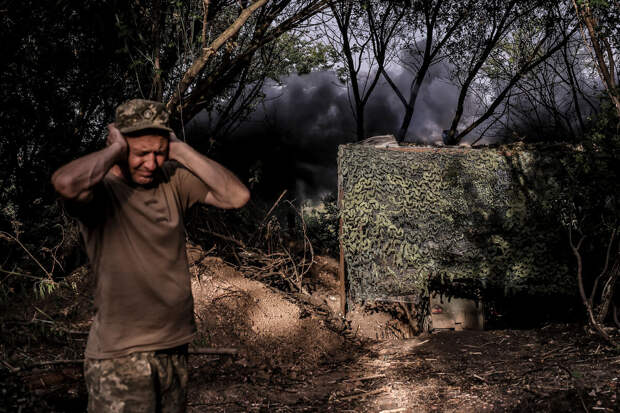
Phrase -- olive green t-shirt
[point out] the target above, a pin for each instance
(135, 240)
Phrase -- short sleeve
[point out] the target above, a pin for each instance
(91, 213)
(191, 189)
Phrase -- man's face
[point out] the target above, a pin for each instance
(146, 154)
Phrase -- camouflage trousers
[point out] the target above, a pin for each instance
(146, 382)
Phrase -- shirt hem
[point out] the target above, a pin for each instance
(138, 349)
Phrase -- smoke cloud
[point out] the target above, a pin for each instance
(291, 140)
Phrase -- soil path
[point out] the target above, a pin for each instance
(500, 371)
(298, 356)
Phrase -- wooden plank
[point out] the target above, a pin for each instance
(341, 275)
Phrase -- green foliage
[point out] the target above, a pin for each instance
(322, 223)
(593, 209)
(45, 287)
(484, 219)
(607, 17)
(604, 132)
(61, 78)
(303, 56)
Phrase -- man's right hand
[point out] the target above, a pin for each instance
(75, 180)
(116, 137)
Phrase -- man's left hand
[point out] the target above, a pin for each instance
(173, 137)
(174, 146)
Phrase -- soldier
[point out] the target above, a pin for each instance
(130, 199)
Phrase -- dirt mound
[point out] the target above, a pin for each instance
(267, 326)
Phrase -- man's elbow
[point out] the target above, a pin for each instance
(65, 186)
(234, 200)
(61, 184)
(242, 198)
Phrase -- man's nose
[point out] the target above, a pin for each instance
(151, 162)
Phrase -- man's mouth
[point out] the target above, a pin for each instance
(144, 177)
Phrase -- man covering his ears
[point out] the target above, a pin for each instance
(130, 199)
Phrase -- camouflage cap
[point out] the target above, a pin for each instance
(138, 114)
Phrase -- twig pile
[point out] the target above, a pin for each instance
(280, 257)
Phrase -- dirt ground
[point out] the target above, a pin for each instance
(296, 354)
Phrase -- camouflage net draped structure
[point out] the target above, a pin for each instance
(477, 219)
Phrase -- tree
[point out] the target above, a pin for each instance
(489, 47)
(527, 25)
(537, 38)
(290, 54)
(200, 62)
(592, 217)
(603, 40)
(365, 33)
(212, 80)
(435, 22)
(553, 101)
(63, 72)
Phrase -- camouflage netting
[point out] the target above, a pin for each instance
(480, 218)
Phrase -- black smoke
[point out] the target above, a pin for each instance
(291, 140)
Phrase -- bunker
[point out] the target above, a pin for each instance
(464, 222)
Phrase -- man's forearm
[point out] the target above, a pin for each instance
(75, 180)
(227, 191)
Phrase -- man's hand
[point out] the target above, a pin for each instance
(115, 137)
(173, 137)
(174, 147)
(75, 180)
(226, 191)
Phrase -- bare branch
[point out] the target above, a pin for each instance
(205, 4)
(605, 266)
(201, 62)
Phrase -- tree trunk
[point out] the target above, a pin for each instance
(606, 69)
(497, 33)
(607, 295)
(587, 302)
(410, 106)
(359, 121)
(157, 89)
(531, 64)
(572, 80)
